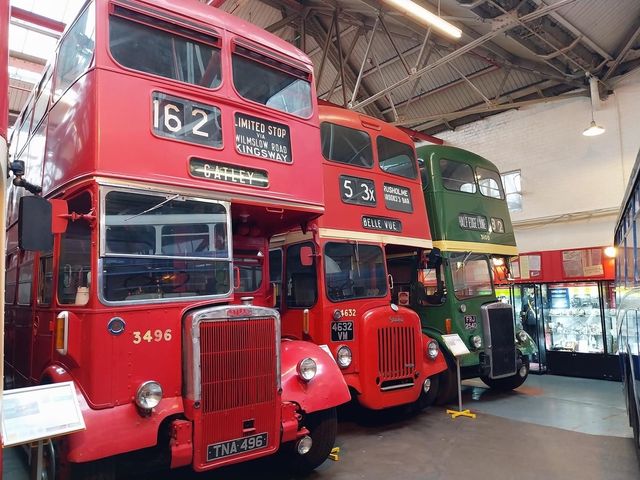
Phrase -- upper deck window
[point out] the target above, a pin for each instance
(159, 246)
(264, 80)
(346, 145)
(457, 176)
(155, 46)
(75, 51)
(354, 271)
(490, 183)
(396, 157)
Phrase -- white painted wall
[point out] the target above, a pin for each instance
(568, 180)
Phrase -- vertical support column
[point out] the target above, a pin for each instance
(4, 158)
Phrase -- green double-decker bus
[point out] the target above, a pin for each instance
(452, 286)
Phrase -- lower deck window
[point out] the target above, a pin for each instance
(158, 246)
(354, 271)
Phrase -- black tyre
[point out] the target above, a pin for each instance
(425, 400)
(509, 383)
(322, 426)
(98, 470)
(58, 468)
(447, 382)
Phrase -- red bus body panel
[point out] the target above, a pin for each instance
(388, 344)
(99, 132)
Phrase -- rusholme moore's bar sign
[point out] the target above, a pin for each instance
(223, 172)
(397, 198)
(263, 139)
(381, 223)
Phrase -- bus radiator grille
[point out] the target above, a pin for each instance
(503, 349)
(396, 357)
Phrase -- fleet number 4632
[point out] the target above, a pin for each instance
(152, 336)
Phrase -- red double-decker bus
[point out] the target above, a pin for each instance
(336, 290)
(164, 141)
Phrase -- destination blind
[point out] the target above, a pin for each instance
(263, 139)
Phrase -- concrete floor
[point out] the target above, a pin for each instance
(552, 427)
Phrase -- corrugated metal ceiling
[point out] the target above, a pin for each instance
(542, 58)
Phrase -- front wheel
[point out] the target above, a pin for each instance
(447, 382)
(322, 426)
(56, 467)
(428, 398)
(512, 382)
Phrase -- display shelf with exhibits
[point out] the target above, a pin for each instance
(573, 318)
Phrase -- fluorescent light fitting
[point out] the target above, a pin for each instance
(424, 15)
(593, 130)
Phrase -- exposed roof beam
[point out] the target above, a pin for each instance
(484, 109)
(577, 32)
(507, 25)
(623, 52)
(274, 27)
(320, 35)
(38, 20)
(446, 86)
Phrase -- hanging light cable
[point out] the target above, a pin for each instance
(594, 129)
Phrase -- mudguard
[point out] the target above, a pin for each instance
(111, 431)
(526, 347)
(469, 360)
(326, 390)
(438, 364)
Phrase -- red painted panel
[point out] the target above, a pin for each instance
(344, 216)
(578, 264)
(4, 73)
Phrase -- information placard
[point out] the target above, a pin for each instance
(36, 413)
(455, 344)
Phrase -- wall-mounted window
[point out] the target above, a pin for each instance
(513, 190)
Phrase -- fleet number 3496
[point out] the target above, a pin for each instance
(152, 336)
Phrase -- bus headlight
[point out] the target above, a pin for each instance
(344, 356)
(432, 349)
(148, 395)
(522, 336)
(307, 368)
(476, 341)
